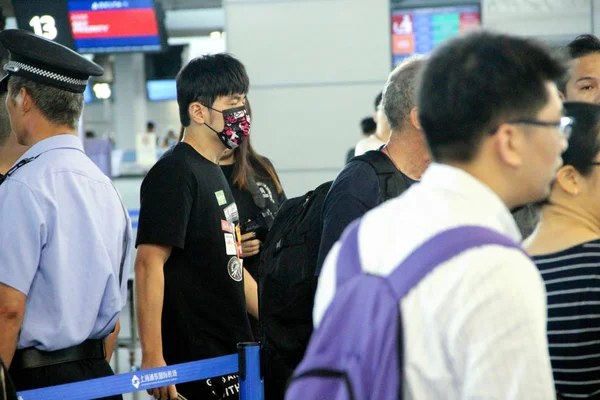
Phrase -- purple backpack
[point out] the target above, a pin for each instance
(356, 353)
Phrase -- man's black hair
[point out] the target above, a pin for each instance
(579, 47)
(368, 126)
(476, 82)
(205, 78)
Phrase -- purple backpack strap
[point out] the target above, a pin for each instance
(441, 248)
(348, 261)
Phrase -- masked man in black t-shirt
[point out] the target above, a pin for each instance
(192, 292)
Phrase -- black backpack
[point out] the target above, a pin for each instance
(287, 278)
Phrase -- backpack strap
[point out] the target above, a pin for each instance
(392, 182)
(348, 261)
(433, 252)
(441, 248)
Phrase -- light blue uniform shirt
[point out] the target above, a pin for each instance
(62, 227)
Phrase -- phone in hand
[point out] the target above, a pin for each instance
(253, 226)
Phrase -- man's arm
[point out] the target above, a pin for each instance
(149, 294)
(354, 192)
(12, 310)
(251, 291)
(111, 341)
(23, 234)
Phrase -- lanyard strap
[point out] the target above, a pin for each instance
(15, 167)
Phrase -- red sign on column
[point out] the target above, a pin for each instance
(402, 24)
(469, 21)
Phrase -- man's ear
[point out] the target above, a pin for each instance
(510, 145)
(198, 113)
(25, 99)
(569, 180)
(414, 118)
(562, 96)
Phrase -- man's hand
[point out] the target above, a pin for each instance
(163, 393)
(250, 245)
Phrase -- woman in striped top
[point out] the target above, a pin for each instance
(566, 249)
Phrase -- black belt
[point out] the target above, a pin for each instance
(33, 358)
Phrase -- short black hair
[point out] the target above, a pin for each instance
(584, 143)
(474, 83)
(579, 47)
(149, 125)
(205, 78)
(368, 125)
(378, 100)
(583, 45)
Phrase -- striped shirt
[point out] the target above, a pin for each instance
(572, 280)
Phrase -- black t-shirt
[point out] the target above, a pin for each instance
(186, 203)
(247, 207)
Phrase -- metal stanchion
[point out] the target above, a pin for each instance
(251, 385)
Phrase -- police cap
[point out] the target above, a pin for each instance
(46, 62)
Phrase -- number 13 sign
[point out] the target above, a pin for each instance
(44, 26)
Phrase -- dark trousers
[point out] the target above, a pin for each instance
(35, 378)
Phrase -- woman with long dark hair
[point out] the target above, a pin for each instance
(258, 195)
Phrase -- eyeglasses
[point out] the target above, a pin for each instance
(564, 126)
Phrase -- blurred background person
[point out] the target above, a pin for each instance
(368, 126)
(565, 249)
(382, 132)
(258, 195)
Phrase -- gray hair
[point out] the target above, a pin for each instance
(5, 127)
(58, 106)
(400, 93)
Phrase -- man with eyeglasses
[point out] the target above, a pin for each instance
(475, 326)
(582, 83)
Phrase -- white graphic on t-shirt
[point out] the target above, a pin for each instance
(231, 390)
(266, 191)
(235, 269)
(231, 213)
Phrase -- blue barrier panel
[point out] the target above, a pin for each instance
(153, 378)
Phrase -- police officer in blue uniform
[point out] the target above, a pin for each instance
(64, 236)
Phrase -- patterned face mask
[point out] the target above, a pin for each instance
(237, 126)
